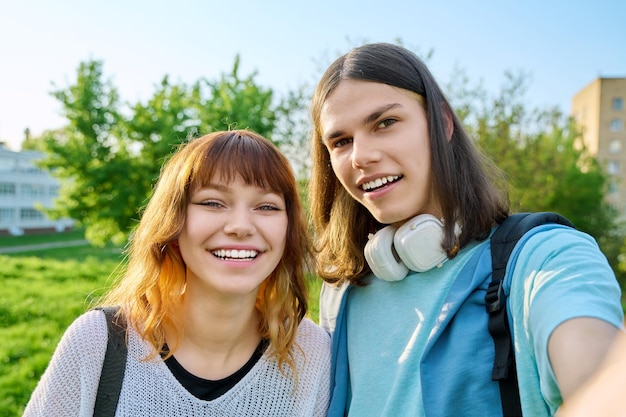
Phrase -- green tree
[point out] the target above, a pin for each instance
(541, 151)
(88, 154)
(237, 103)
(155, 129)
(110, 159)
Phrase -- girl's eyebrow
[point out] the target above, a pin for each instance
(375, 114)
(212, 186)
(225, 188)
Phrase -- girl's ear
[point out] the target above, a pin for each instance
(449, 123)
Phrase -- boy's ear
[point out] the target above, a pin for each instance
(449, 123)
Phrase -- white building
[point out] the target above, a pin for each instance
(23, 188)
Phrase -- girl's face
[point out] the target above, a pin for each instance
(233, 238)
(377, 138)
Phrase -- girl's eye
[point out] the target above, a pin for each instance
(385, 123)
(210, 203)
(269, 207)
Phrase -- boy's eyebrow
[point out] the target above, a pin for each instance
(379, 111)
(368, 119)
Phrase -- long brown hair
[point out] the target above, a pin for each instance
(465, 182)
(155, 276)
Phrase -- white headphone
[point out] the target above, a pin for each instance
(416, 245)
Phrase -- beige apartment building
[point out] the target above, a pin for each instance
(600, 110)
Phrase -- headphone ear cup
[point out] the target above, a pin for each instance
(382, 258)
(418, 242)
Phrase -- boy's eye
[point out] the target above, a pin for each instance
(386, 122)
(341, 142)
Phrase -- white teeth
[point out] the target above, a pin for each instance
(235, 254)
(379, 182)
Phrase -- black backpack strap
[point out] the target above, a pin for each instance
(503, 241)
(113, 366)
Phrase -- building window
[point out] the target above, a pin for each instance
(6, 164)
(6, 215)
(30, 214)
(32, 170)
(53, 191)
(7, 188)
(613, 188)
(617, 125)
(33, 190)
(613, 167)
(615, 146)
(28, 166)
(618, 103)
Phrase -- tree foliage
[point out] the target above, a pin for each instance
(89, 153)
(237, 104)
(541, 152)
(111, 154)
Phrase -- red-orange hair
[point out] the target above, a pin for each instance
(155, 276)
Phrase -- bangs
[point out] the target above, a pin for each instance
(254, 160)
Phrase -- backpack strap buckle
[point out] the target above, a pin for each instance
(495, 299)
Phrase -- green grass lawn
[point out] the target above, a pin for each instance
(43, 292)
(9, 241)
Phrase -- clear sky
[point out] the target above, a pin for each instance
(562, 44)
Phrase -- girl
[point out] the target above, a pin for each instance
(214, 297)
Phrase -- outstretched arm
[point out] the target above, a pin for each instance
(577, 349)
(603, 394)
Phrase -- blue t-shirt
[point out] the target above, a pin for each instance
(422, 343)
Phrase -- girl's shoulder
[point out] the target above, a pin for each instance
(312, 352)
(90, 328)
(312, 337)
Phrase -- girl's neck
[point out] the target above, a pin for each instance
(217, 338)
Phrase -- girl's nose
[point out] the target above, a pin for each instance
(239, 223)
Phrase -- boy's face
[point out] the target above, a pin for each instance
(378, 141)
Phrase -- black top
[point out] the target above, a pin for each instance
(207, 389)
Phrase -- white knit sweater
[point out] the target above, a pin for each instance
(68, 386)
